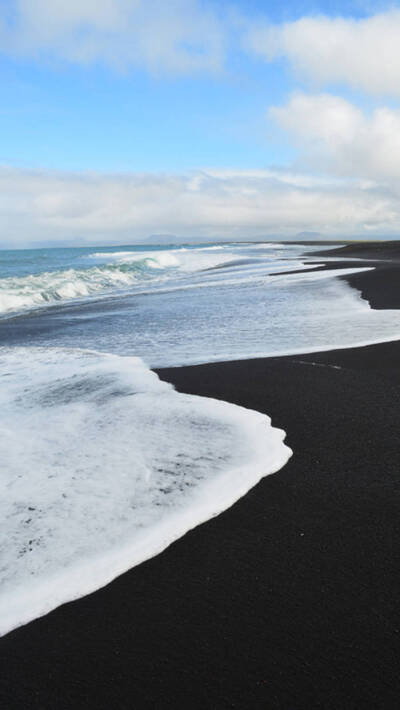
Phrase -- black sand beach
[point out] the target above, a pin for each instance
(288, 600)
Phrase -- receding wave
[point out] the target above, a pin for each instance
(104, 465)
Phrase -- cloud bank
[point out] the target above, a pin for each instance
(334, 135)
(362, 53)
(40, 206)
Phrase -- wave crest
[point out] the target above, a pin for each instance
(122, 270)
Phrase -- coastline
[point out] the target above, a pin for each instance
(286, 600)
(381, 287)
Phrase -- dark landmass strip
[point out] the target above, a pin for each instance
(386, 250)
(286, 601)
(380, 287)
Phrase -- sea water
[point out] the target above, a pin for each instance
(102, 464)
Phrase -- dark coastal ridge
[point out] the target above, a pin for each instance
(289, 599)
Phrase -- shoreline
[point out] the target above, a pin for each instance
(286, 600)
(381, 287)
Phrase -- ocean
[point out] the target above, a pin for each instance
(179, 306)
(103, 464)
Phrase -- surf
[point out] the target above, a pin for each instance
(100, 273)
(103, 466)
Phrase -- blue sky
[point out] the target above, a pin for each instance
(73, 119)
(113, 94)
(58, 115)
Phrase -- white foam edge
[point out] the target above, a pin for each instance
(270, 455)
(267, 354)
(252, 355)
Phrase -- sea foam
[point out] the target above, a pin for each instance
(103, 466)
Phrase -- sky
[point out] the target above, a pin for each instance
(209, 119)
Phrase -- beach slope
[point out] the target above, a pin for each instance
(288, 600)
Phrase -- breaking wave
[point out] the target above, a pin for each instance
(115, 271)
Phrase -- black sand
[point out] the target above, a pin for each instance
(288, 600)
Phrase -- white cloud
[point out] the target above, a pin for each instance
(40, 206)
(364, 53)
(178, 36)
(336, 136)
